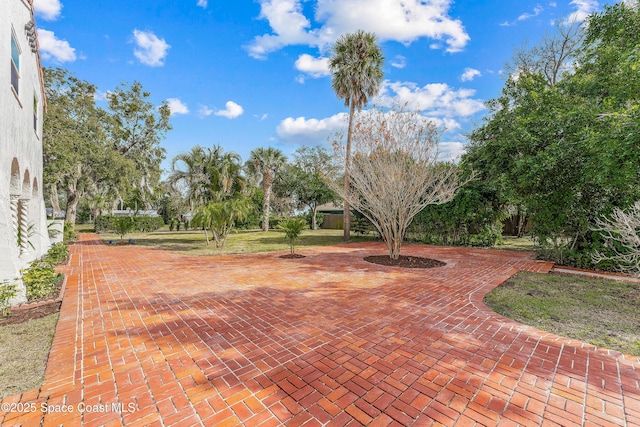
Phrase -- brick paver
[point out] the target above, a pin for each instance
(147, 337)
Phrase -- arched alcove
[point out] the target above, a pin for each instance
(14, 185)
(35, 189)
(26, 185)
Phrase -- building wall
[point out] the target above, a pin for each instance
(22, 209)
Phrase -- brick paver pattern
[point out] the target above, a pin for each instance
(148, 337)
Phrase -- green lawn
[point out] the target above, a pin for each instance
(601, 312)
(241, 241)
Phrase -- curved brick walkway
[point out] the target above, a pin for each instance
(325, 340)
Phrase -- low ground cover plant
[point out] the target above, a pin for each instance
(40, 279)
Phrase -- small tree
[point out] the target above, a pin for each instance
(395, 171)
(123, 225)
(623, 231)
(292, 228)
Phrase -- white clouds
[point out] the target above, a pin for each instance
(315, 67)
(435, 99)
(177, 107)
(287, 22)
(584, 8)
(203, 3)
(451, 151)
(438, 102)
(52, 48)
(469, 74)
(150, 50)
(205, 111)
(49, 10)
(399, 61)
(403, 21)
(536, 11)
(523, 17)
(231, 111)
(312, 131)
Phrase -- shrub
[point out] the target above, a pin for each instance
(142, 224)
(275, 222)
(473, 218)
(7, 292)
(308, 216)
(70, 234)
(123, 225)
(40, 279)
(58, 254)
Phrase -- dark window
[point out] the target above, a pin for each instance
(15, 64)
(35, 113)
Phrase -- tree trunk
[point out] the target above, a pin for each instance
(267, 181)
(347, 178)
(314, 225)
(55, 202)
(73, 197)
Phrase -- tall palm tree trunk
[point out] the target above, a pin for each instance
(346, 216)
(267, 183)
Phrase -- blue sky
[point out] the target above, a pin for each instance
(252, 73)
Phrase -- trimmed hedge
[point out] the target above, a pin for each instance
(142, 224)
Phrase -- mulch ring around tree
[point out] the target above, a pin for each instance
(36, 308)
(292, 256)
(405, 261)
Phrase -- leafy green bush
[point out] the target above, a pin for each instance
(7, 292)
(57, 254)
(123, 225)
(275, 222)
(473, 218)
(141, 224)
(308, 216)
(70, 234)
(360, 224)
(40, 279)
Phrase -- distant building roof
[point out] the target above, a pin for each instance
(331, 208)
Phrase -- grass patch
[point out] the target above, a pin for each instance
(516, 243)
(24, 353)
(84, 228)
(239, 242)
(596, 311)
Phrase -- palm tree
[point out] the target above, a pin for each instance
(189, 170)
(207, 174)
(220, 218)
(226, 179)
(356, 70)
(266, 162)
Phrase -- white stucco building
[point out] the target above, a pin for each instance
(23, 226)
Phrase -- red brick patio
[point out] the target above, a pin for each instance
(325, 340)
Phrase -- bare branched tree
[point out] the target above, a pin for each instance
(622, 231)
(552, 56)
(395, 170)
